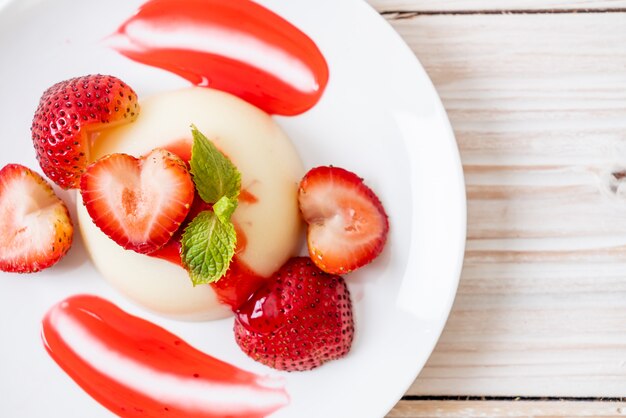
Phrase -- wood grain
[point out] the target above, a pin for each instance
(477, 5)
(499, 409)
(538, 104)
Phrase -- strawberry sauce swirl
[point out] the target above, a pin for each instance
(235, 46)
(135, 368)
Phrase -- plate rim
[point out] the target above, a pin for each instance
(460, 241)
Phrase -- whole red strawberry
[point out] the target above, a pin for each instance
(299, 320)
(68, 113)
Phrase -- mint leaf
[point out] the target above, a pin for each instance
(214, 174)
(208, 245)
(224, 208)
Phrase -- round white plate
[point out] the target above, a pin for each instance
(380, 117)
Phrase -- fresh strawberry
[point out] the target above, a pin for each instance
(299, 320)
(35, 227)
(347, 224)
(68, 113)
(138, 202)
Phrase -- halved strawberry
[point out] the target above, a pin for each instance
(35, 227)
(68, 113)
(138, 202)
(299, 320)
(347, 224)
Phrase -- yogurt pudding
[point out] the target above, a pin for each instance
(267, 217)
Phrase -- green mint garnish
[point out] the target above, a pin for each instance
(214, 174)
(208, 245)
(209, 241)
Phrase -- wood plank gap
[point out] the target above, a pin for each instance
(404, 14)
(514, 398)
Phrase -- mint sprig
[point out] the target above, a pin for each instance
(209, 241)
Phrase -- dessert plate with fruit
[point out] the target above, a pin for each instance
(219, 209)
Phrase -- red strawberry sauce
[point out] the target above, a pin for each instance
(239, 283)
(236, 46)
(138, 369)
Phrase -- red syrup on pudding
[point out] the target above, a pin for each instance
(137, 369)
(235, 46)
(240, 281)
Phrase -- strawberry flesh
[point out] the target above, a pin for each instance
(68, 113)
(35, 226)
(347, 224)
(138, 202)
(300, 319)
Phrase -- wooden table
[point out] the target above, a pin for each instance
(536, 93)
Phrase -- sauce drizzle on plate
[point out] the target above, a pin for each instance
(137, 369)
(236, 46)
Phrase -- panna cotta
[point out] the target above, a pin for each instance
(267, 217)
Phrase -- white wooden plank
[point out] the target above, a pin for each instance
(508, 409)
(538, 104)
(477, 5)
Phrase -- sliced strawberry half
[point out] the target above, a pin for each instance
(300, 319)
(68, 113)
(35, 227)
(347, 224)
(138, 202)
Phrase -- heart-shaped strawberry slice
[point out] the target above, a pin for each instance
(138, 202)
(347, 224)
(35, 227)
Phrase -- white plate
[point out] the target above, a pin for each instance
(380, 117)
